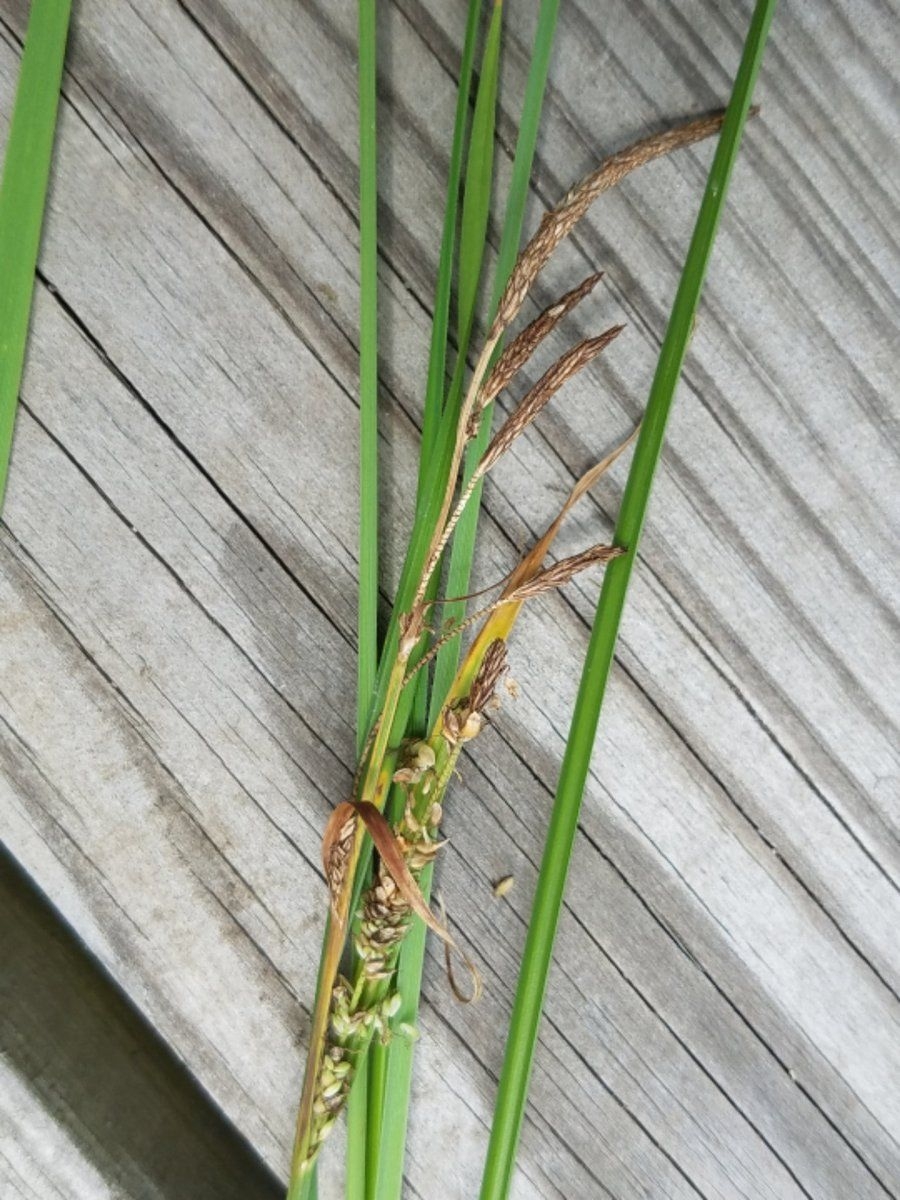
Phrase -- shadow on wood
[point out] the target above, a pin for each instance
(93, 1066)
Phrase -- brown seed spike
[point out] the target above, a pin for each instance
(543, 391)
(560, 573)
(492, 667)
(337, 848)
(521, 348)
(559, 223)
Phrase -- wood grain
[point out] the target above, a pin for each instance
(178, 576)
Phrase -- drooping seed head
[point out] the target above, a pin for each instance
(569, 364)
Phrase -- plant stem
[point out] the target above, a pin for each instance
(400, 1052)
(368, 371)
(464, 542)
(514, 1079)
(367, 662)
(22, 196)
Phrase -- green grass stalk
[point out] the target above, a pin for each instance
(386, 1134)
(367, 664)
(368, 370)
(400, 1051)
(23, 193)
(463, 547)
(523, 1030)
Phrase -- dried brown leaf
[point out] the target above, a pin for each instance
(391, 855)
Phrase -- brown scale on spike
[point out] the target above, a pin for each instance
(523, 346)
(573, 361)
(558, 223)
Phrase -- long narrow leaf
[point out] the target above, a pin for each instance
(398, 1075)
(366, 1104)
(523, 1030)
(22, 194)
(464, 539)
(437, 357)
(368, 370)
(479, 182)
(357, 1139)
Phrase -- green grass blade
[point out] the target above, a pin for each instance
(357, 1134)
(368, 370)
(399, 1058)
(514, 1079)
(437, 355)
(392, 1063)
(437, 358)
(479, 183)
(365, 1106)
(356, 1165)
(400, 1052)
(464, 540)
(22, 194)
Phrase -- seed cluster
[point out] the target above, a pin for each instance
(351, 1011)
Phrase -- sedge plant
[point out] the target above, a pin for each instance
(374, 902)
(419, 703)
(422, 706)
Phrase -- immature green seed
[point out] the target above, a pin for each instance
(391, 1006)
(341, 1026)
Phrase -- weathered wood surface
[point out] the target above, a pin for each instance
(94, 1104)
(178, 572)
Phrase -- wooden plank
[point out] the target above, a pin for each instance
(176, 733)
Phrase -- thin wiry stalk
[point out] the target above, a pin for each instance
(524, 1023)
(26, 171)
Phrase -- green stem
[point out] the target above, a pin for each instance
(400, 1052)
(368, 370)
(23, 193)
(514, 1079)
(368, 463)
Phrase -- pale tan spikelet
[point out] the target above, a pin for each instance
(564, 570)
(337, 850)
(521, 348)
(559, 222)
(543, 391)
